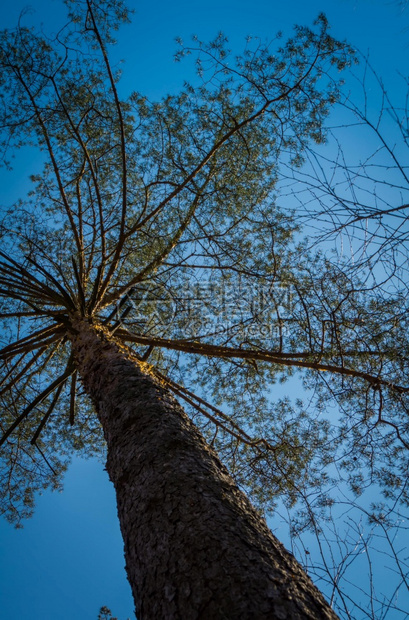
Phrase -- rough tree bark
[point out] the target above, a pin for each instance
(194, 545)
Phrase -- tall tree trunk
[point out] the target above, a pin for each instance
(194, 545)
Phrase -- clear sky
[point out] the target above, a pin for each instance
(67, 561)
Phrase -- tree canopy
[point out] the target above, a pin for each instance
(161, 223)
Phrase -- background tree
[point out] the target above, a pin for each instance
(105, 614)
(355, 203)
(155, 227)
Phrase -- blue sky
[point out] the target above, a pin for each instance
(67, 561)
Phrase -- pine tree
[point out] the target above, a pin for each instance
(152, 255)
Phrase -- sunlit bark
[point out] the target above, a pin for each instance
(194, 545)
